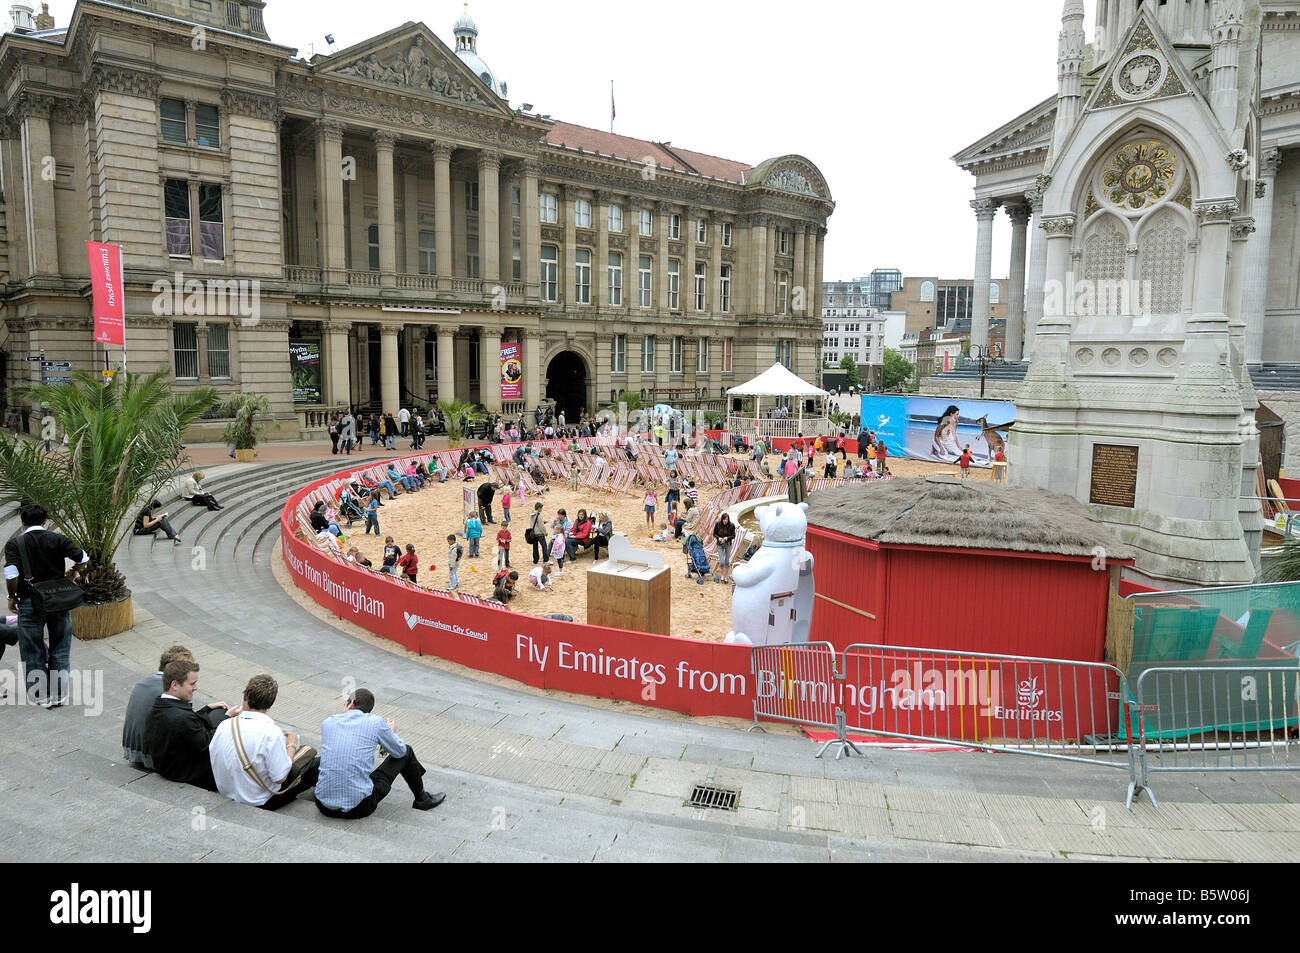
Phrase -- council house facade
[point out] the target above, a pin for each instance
(400, 219)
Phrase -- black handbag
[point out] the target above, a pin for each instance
(50, 595)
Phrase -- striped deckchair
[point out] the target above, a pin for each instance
(593, 480)
(622, 480)
(501, 452)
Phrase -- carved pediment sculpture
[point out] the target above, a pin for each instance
(788, 180)
(414, 69)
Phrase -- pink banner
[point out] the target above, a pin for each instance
(106, 284)
(512, 372)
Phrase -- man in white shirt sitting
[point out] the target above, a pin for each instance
(256, 763)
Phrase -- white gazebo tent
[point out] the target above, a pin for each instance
(776, 381)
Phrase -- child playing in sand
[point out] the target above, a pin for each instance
(454, 553)
(408, 563)
(540, 577)
(650, 501)
(574, 479)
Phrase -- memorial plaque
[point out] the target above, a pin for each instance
(1114, 475)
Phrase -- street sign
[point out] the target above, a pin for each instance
(34, 359)
(56, 366)
(56, 380)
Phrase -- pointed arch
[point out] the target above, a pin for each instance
(1103, 243)
(1162, 265)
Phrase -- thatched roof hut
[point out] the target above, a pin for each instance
(948, 512)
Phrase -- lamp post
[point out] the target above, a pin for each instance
(988, 356)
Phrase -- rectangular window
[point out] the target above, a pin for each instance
(726, 355)
(516, 262)
(615, 279)
(516, 204)
(616, 218)
(185, 345)
(219, 351)
(471, 196)
(471, 256)
(428, 252)
(212, 229)
(176, 208)
(726, 234)
(675, 227)
(173, 121)
(372, 246)
(701, 231)
(783, 352)
(701, 286)
(674, 285)
(724, 289)
(784, 242)
(618, 354)
(550, 273)
(581, 213)
(647, 226)
(582, 276)
(676, 366)
(647, 355)
(548, 207)
(644, 278)
(207, 126)
(702, 356)
(782, 291)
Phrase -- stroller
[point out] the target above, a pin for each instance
(698, 565)
(350, 508)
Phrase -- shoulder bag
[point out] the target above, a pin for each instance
(303, 757)
(50, 595)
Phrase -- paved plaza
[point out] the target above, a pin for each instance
(536, 777)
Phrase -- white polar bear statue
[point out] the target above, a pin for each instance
(773, 601)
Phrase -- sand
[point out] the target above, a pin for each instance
(425, 518)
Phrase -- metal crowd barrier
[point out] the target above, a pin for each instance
(796, 683)
(1219, 718)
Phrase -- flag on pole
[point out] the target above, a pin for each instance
(612, 112)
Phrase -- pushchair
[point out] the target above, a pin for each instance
(717, 446)
(350, 508)
(697, 565)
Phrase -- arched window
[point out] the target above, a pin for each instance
(1162, 260)
(995, 293)
(927, 291)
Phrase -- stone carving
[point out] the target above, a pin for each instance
(1140, 75)
(118, 80)
(985, 209)
(1167, 357)
(1237, 159)
(1084, 356)
(788, 180)
(1242, 229)
(1058, 225)
(1139, 356)
(1111, 356)
(243, 103)
(1209, 212)
(413, 69)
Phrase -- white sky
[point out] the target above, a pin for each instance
(878, 93)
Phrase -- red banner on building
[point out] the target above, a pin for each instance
(106, 283)
(512, 372)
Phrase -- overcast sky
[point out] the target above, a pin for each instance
(878, 94)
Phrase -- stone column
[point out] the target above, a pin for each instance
(446, 362)
(387, 209)
(489, 369)
(1019, 215)
(42, 243)
(811, 274)
(329, 191)
(600, 267)
(389, 370)
(632, 266)
(662, 211)
(715, 269)
(769, 272)
(1037, 268)
(1211, 275)
(985, 211)
(505, 224)
(358, 246)
(411, 206)
(363, 364)
(818, 269)
(442, 218)
(414, 359)
(569, 253)
(688, 267)
(338, 383)
(1255, 296)
(800, 276)
(532, 369)
(530, 231)
(758, 255)
(463, 345)
(1241, 230)
(489, 218)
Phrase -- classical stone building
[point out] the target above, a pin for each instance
(399, 218)
(1161, 271)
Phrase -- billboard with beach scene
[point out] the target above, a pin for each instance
(939, 428)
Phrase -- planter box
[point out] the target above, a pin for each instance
(100, 621)
(244, 456)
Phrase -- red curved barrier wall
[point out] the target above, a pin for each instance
(682, 675)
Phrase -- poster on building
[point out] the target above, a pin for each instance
(304, 365)
(512, 372)
(109, 305)
(939, 428)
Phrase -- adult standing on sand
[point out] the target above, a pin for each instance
(536, 534)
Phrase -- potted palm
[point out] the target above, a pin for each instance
(456, 413)
(122, 440)
(245, 427)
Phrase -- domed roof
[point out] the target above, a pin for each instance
(466, 32)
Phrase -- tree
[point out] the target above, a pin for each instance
(123, 438)
(456, 413)
(242, 432)
(897, 371)
(851, 366)
(631, 398)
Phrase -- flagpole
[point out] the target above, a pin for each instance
(611, 107)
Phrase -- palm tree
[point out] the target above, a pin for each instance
(123, 437)
(243, 431)
(631, 398)
(456, 413)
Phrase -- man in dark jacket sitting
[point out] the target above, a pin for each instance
(175, 735)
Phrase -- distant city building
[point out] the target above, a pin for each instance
(947, 303)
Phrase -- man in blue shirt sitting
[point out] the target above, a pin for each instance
(350, 786)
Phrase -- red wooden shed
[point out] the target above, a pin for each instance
(944, 563)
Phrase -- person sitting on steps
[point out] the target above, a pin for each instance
(146, 524)
(195, 493)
